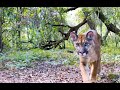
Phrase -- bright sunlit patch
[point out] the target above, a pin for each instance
(72, 17)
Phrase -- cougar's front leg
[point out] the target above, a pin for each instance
(84, 72)
(93, 73)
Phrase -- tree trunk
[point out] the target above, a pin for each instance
(104, 37)
(106, 34)
(0, 36)
(100, 28)
(18, 29)
(1, 44)
(89, 21)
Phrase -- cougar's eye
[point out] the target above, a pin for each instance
(86, 44)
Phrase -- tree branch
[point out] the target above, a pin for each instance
(58, 25)
(111, 27)
(66, 36)
(89, 21)
(62, 32)
(72, 8)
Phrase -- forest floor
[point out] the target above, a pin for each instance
(44, 72)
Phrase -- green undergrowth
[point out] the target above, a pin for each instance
(110, 54)
(68, 56)
(24, 58)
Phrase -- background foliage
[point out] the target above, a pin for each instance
(25, 31)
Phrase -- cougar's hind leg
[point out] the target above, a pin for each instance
(99, 66)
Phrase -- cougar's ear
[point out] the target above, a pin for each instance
(89, 36)
(73, 36)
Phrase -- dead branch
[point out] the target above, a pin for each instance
(72, 8)
(58, 25)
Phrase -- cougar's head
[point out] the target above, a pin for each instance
(83, 42)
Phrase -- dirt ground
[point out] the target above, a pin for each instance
(43, 72)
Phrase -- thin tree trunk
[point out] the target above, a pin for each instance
(18, 43)
(106, 34)
(89, 21)
(104, 37)
(100, 28)
(63, 44)
(1, 44)
(0, 36)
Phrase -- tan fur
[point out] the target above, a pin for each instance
(93, 59)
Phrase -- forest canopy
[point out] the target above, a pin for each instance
(48, 27)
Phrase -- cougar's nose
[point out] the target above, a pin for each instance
(84, 51)
(81, 52)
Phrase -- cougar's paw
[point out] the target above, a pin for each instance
(93, 81)
(90, 81)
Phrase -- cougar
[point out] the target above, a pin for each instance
(87, 46)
